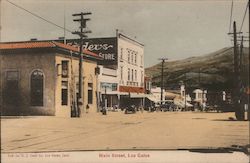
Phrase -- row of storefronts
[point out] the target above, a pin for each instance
(41, 77)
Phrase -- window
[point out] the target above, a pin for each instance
(65, 69)
(121, 73)
(128, 74)
(36, 90)
(132, 57)
(142, 77)
(128, 55)
(90, 93)
(64, 93)
(135, 58)
(11, 89)
(132, 73)
(135, 75)
(121, 56)
(114, 87)
(141, 61)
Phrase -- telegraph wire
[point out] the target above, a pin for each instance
(244, 16)
(39, 16)
(231, 14)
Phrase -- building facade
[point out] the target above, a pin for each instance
(121, 78)
(41, 78)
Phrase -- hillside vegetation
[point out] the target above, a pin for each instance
(212, 71)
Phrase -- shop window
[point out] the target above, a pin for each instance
(65, 69)
(10, 92)
(64, 96)
(114, 87)
(90, 93)
(36, 90)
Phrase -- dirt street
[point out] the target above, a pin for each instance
(157, 130)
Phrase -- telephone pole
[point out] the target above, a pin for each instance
(248, 111)
(238, 110)
(162, 76)
(81, 34)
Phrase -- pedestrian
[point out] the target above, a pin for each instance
(87, 108)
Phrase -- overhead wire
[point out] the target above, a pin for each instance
(231, 14)
(244, 17)
(48, 21)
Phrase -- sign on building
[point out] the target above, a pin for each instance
(104, 47)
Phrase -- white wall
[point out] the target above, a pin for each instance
(134, 63)
(107, 76)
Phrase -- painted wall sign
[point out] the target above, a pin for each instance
(104, 47)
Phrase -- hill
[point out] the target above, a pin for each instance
(212, 71)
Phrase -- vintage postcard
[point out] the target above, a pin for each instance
(124, 81)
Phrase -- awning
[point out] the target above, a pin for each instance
(152, 98)
(182, 104)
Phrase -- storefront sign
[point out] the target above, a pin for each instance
(104, 47)
(108, 86)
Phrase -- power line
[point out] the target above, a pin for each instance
(39, 16)
(231, 14)
(244, 16)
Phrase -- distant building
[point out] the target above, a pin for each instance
(41, 78)
(200, 97)
(156, 92)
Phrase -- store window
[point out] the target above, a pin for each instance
(64, 96)
(36, 90)
(10, 92)
(90, 93)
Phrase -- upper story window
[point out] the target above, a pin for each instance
(132, 75)
(121, 56)
(141, 61)
(121, 73)
(128, 56)
(132, 57)
(136, 58)
(128, 74)
(65, 69)
(135, 75)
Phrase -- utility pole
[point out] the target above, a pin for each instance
(82, 35)
(238, 111)
(185, 89)
(248, 112)
(162, 76)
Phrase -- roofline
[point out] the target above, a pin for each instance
(127, 37)
(55, 44)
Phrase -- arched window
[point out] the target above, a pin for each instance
(36, 90)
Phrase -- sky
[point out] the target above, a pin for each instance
(173, 29)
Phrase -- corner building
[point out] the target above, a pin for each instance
(41, 78)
